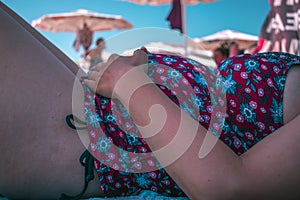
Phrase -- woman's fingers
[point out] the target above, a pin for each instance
(103, 77)
(99, 66)
(144, 49)
(91, 84)
(94, 75)
(112, 58)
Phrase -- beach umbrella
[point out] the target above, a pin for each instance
(210, 42)
(177, 13)
(161, 2)
(82, 22)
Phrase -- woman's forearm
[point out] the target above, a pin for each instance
(210, 177)
(267, 170)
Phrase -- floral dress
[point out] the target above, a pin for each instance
(249, 87)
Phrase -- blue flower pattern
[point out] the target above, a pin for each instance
(254, 94)
(250, 84)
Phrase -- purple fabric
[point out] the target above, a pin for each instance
(174, 16)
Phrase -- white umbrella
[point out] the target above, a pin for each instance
(215, 40)
(74, 21)
(160, 2)
(203, 56)
(83, 22)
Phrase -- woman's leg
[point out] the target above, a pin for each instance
(39, 152)
(291, 106)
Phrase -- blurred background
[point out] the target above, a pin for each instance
(149, 24)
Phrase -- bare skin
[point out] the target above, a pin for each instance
(96, 53)
(39, 152)
(233, 49)
(218, 57)
(269, 170)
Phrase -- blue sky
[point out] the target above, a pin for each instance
(149, 22)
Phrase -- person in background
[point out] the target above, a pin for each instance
(220, 54)
(234, 49)
(94, 56)
(260, 44)
(84, 38)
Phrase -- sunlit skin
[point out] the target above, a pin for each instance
(95, 54)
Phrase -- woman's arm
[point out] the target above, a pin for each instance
(211, 177)
(267, 171)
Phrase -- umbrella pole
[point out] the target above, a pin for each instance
(184, 31)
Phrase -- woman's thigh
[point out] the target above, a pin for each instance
(39, 152)
(291, 105)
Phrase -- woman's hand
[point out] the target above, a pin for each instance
(104, 77)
